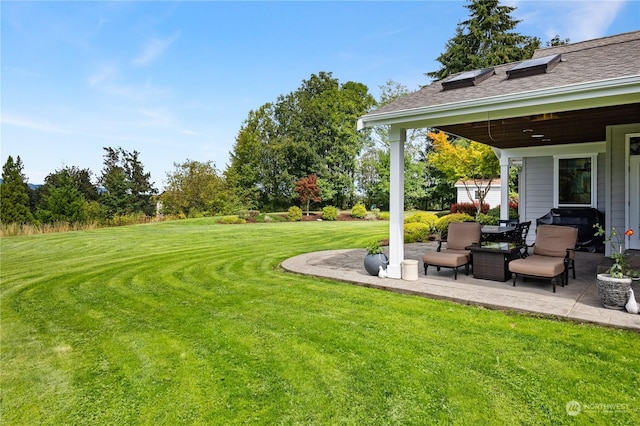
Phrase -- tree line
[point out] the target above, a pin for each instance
(308, 132)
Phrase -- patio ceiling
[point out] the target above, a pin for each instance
(567, 127)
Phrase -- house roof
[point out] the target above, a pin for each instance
(595, 84)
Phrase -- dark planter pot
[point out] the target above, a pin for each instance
(372, 263)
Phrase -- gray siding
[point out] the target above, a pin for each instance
(601, 187)
(538, 181)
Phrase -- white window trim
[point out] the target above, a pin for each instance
(594, 179)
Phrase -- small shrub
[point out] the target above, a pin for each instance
(359, 211)
(371, 216)
(376, 213)
(384, 216)
(513, 212)
(485, 219)
(422, 217)
(249, 214)
(416, 232)
(442, 225)
(443, 213)
(469, 208)
(374, 247)
(329, 213)
(294, 214)
(231, 220)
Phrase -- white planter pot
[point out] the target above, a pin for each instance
(613, 292)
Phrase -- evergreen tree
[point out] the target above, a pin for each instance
(14, 194)
(63, 201)
(485, 39)
(127, 186)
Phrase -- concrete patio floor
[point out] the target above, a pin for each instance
(578, 301)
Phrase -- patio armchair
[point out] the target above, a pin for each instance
(519, 237)
(553, 255)
(460, 235)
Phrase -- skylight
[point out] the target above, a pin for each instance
(534, 66)
(468, 79)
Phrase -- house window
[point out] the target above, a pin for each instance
(575, 181)
(634, 145)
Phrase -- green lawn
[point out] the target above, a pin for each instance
(190, 322)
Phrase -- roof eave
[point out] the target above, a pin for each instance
(608, 92)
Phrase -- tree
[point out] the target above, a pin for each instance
(472, 163)
(196, 188)
(374, 161)
(62, 200)
(484, 40)
(140, 188)
(14, 194)
(127, 186)
(309, 131)
(308, 191)
(557, 41)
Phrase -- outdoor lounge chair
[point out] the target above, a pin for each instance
(553, 254)
(460, 235)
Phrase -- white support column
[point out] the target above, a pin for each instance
(504, 186)
(397, 138)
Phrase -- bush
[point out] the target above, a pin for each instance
(231, 220)
(329, 213)
(442, 225)
(485, 219)
(513, 212)
(416, 232)
(384, 216)
(294, 214)
(422, 217)
(359, 211)
(469, 208)
(249, 214)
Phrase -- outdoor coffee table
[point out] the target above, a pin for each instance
(491, 260)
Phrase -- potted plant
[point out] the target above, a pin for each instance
(375, 258)
(615, 285)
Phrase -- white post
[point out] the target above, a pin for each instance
(397, 138)
(504, 186)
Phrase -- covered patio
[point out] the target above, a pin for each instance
(578, 301)
(570, 117)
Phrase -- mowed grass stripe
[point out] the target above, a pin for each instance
(192, 323)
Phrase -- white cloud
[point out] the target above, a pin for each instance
(157, 117)
(577, 20)
(590, 20)
(12, 120)
(154, 49)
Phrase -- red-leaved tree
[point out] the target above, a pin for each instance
(308, 190)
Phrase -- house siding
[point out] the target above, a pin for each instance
(617, 161)
(538, 182)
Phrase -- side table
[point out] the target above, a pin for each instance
(491, 260)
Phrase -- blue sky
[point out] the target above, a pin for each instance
(176, 80)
